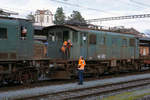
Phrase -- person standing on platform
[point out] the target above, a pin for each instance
(81, 65)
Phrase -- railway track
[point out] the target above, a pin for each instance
(59, 82)
(78, 94)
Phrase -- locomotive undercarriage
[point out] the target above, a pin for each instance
(18, 72)
(68, 69)
(29, 71)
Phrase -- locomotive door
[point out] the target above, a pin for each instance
(83, 45)
(55, 42)
(92, 46)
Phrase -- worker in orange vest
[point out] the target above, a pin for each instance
(66, 48)
(69, 45)
(65, 43)
(81, 65)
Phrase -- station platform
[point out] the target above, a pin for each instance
(44, 90)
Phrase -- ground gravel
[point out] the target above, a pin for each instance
(37, 91)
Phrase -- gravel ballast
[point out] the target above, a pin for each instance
(37, 91)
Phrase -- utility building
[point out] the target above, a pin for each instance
(43, 18)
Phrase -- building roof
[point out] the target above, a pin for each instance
(43, 12)
(13, 18)
(144, 39)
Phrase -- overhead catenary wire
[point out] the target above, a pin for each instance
(139, 3)
(131, 4)
(84, 7)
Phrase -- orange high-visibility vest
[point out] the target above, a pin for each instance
(81, 64)
(63, 49)
(65, 43)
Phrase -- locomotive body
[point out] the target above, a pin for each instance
(22, 59)
(92, 44)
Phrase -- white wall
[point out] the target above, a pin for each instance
(45, 19)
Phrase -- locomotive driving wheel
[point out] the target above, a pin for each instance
(27, 76)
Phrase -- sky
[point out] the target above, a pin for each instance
(90, 9)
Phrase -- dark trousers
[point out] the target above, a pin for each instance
(80, 75)
(67, 53)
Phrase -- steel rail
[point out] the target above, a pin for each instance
(94, 91)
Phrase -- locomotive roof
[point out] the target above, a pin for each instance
(79, 28)
(145, 39)
(13, 18)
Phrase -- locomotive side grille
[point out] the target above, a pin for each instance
(12, 55)
(39, 51)
(3, 55)
(7, 56)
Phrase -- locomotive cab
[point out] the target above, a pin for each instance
(15, 39)
(55, 41)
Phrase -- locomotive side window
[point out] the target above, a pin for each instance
(23, 32)
(3, 33)
(114, 41)
(92, 39)
(65, 35)
(59, 36)
(84, 37)
(81, 39)
(132, 42)
(124, 42)
(75, 37)
(51, 37)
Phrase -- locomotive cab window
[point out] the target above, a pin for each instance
(23, 32)
(65, 35)
(75, 37)
(51, 37)
(124, 42)
(102, 41)
(83, 38)
(132, 42)
(59, 36)
(115, 41)
(92, 39)
(3, 33)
